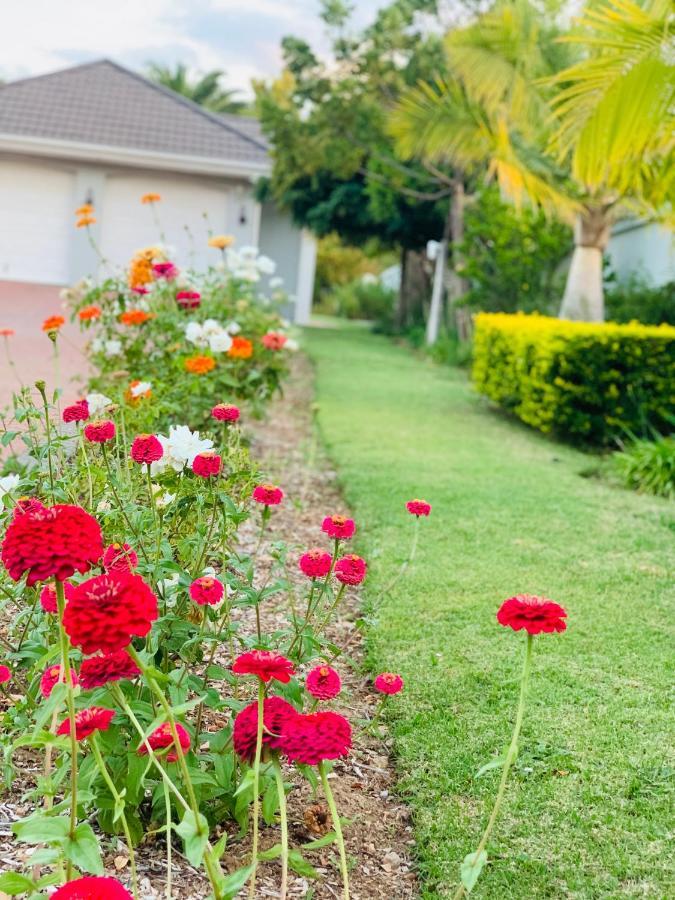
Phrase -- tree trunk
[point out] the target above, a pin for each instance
(457, 285)
(583, 299)
(401, 315)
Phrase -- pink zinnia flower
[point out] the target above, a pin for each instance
(87, 721)
(534, 614)
(92, 887)
(146, 448)
(315, 563)
(265, 665)
(96, 671)
(206, 464)
(51, 677)
(165, 270)
(76, 412)
(5, 675)
(418, 508)
(311, 739)
(119, 558)
(226, 412)
(48, 596)
(350, 569)
(388, 683)
(207, 591)
(323, 682)
(100, 431)
(162, 738)
(188, 299)
(274, 340)
(268, 494)
(276, 712)
(338, 527)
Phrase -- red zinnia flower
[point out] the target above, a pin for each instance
(315, 563)
(225, 412)
(51, 676)
(388, 683)
(188, 299)
(268, 494)
(534, 614)
(107, 611)
(119, 558)
(161, 738)
(276, 713)
(27, 505)
(418, 508)
(311, 739)
(146, 449)
(339, 527)
(207, 590)
(140, 289)
(165, 270)
(76, 412)
(350, 569)
(54, 542)
(87, 721)
(48, 596)
(5, 674)
(99, 670)
(323, 683)
(7, 332)
(53, 323)
(206, 464)
(265, 664)
(100, 431)
(274, 340)
(92, 888)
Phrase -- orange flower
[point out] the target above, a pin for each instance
(200, 365)
(89, 313)
(150, 198)
(135, 317)
(6, 332)
(135, 397)
(85, 222)
(241, 348)
(85, 210)
(221, 241)
(140, 272)
(53, 323)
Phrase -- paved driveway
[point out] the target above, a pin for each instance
(24, 307)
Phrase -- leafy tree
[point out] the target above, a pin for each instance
(205, 89)
(578, 138)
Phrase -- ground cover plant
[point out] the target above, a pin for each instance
(588, 802)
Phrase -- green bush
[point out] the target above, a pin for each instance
(635, 300)
(361, 300)
(592, 383)
(649, 466)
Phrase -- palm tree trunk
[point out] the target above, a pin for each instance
(457, 286)
(434, 320)
(583, 299)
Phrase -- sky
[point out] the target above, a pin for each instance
(241, 37)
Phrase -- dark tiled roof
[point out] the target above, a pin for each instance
(104, 103)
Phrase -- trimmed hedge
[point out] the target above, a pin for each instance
(585, 382)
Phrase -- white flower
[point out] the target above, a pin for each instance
(113, 348)
(195, 334)
(266, 265)
(8, 484)
(168, 583)
(162, 498)
(180, 449)
(103, 506)
(248, 252)
(139, 389)
(233, 328)
(275, 282)
(98, 403)
(291, 345)
(220, 343)
(210, 327)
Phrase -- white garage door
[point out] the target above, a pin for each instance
(36, 222)
(128, 225)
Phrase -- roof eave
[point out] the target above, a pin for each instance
(129, 156)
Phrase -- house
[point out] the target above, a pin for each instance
(643, 249)
(98, 133)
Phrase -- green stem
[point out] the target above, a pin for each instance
(167, 801)
(339, 837)
(331, 610)
(103, 769)
(40, 385)
(131, 528)
(207, 539)
(283, 816)
(511, 755)
(70, 700)
(256, 786)
(88, 470)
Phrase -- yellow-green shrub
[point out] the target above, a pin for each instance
(582, 381)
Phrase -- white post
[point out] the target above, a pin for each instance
(439, 252)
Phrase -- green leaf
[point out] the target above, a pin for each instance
(13, 883)
(41, 829)
(232, 884)
(195, 834)
(270, 803)
(472, 866)
(83, 850)
(493, 764)
(299, 864)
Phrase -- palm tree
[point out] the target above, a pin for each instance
(578, 140)
(204, 89)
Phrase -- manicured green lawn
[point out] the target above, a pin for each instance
(588, 808)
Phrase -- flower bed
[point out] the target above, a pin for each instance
(584, 382)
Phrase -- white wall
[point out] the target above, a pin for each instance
(294, 252)
(644, 249)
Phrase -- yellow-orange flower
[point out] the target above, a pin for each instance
(85, 222)
(85, 210)
(150, 198)
(53, 323)
(89, 313)
(131, 398)
(200, 365)
(140, 272)
(135, 317)
(221, 241)
(241, 348)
